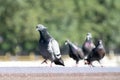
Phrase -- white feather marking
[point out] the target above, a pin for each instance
(53, 47)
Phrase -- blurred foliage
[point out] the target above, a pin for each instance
(65, 19)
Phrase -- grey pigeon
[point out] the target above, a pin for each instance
(49, 47)
(74, 51)
(97, 54)
(88, 44)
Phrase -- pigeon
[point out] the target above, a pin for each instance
(49, 47)
(97, 54)
(88, 45)
(74, 51)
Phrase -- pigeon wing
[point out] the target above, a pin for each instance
(53, 47)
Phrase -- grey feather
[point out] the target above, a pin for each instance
(97, 53)
(88, 44)
(49, 47)
(74, 51)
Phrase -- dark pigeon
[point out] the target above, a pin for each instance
(88, 45)
(74, 51)
(49, 47)
(97, 54)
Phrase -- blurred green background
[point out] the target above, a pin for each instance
(65, 19)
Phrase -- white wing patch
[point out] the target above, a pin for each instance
(53, 47)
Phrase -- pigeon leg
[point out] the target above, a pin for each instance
(91, 64)
(45, 61)
(51, 64)
(76, 63)
(100, 64)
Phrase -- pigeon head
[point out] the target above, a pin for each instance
(40, 27)
(66, 42)
(59, 62)
(89, 36)
(100, 42)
